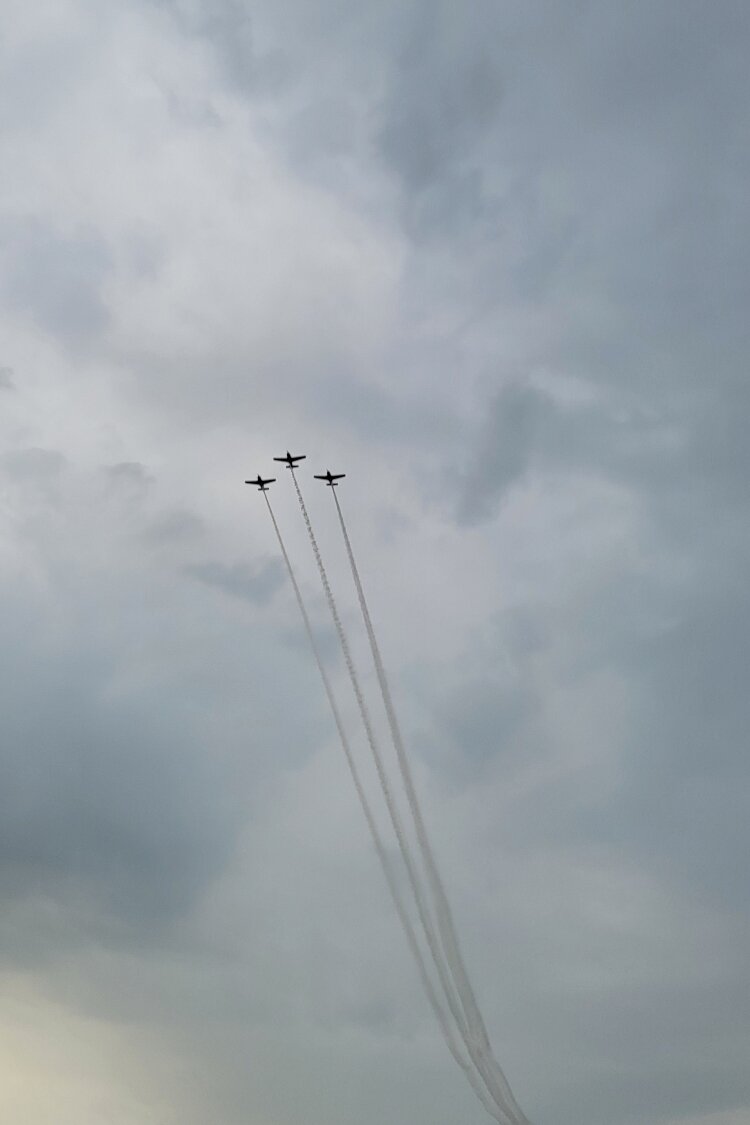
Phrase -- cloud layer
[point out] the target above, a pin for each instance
(493, 265)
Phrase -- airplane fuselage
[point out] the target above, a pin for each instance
(330, 478)
(291, 461)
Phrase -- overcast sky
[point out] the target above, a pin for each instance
(491, 260)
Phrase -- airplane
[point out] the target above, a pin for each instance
(291, 462)
(262, 484)
(330, 478)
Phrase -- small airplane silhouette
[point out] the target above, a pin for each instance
(262, 484)
(330, 478)
(289, 461)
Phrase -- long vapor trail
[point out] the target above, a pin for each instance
(411, 869)
(390, 878)
(477, 1042)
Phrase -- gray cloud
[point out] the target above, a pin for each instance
(503, 453)
(38, 474)
(102, 796)
(34, 464)
(174, 526)
(255, 584)
(129, 473)
(228, 26)
(377, 414)
(495, 264)
(684, 779)
(56, 278)
(438, 111)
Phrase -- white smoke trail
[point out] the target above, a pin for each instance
(411, 869)
(411, 937)
(478, 1043)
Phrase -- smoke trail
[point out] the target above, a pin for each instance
(411, 937)
(445, 920)
(422, 907)
(478, 1045)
